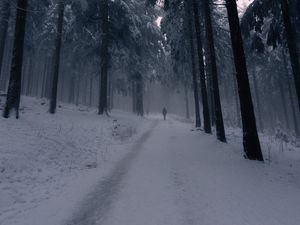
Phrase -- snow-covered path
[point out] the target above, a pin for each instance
(175, 176)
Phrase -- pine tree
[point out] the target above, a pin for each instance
(250, 137)
(56, 56)
(4, 18)
(14, 87)
(292, 46)
(193, 64)
(104, 57)
(214, 73)
(206, 116)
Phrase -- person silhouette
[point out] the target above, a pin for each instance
(164, 112)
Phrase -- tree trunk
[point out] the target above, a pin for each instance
(194, 70)
(134, 105)
(104, 58)
(250, 137)
(56, 56)
(45, 76)
(206, 117)
(72, 90)
(78, 75)
(5, 14)
(236, 99)
(139, 99)
(283, 103)
(260, 122)
(91, 91)
(214, 73)
(292, 46)
(14, 87)
(293, 106)
(186, 99)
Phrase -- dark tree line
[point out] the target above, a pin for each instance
(64, 35)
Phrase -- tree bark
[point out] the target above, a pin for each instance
(214, 73)
(91, 91)
(293, 106)
(283, 103)
(194, 70)
(206, 117)
(104, 58)
(250, 137)
(4, 19)
(186, 99)
(292, 46)
(139, 92)
(260, 122)
(78, 76)
(14, 87)
(57, 52)
(236, 99)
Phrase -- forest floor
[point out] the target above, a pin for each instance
(76, 168)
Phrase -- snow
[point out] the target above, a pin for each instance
(182, 177)
(80, 168)
(43, 155)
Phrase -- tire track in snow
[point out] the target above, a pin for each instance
(94, 208)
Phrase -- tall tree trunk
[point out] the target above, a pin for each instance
(283, 103)
(24, 76)
(72, 90)
(91, 91)
(186, 99)
(250, 137)
(292, 46)
(236, 99)
(45, 76)
(4, 18)
(104, 58)
(214, 73)
(193, 62)
(293, 106)
(133, 95)
(206, 117)
(78, 75)
(139, 95)
(14, 87)
(56, 56)
(260, 122)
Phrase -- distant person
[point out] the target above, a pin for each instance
(164, 112)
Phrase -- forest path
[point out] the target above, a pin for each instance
(175, 176)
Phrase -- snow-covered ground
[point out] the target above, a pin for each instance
(77, 168)
(44, 157)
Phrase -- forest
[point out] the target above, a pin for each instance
(84, 52)
(221, 65)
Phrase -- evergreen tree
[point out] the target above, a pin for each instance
(214, 73)
(14, 87)
(56, 56)
(250, 137)
(4, 18)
